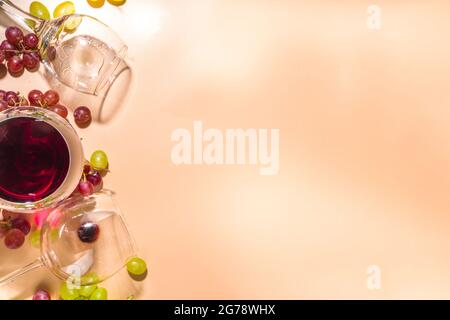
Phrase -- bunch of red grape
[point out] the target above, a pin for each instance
(20, 51)
(49, 100)
(94, 171)
(14, 228)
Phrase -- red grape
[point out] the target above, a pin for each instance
(14, 36)
(14, 239)
(36, 98)
(8, 49)
(42, 295)
(36, 54)
(83, 117)
(30, 61)
(3, 105)
(51, 53)
(15, 65)
(89, 232)
(86, 188)
(21, 224)
(2, 94)
(11, 98)
(60, 109)
(95, 178)
(51, 98)
(30, 41)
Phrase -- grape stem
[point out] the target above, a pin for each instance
(21, 51)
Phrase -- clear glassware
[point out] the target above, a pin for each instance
(72, 260)
(78, 51)
(75, 155)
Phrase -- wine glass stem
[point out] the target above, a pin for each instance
(24, 19)
(20, 272)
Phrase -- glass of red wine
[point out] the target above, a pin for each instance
(41, 159)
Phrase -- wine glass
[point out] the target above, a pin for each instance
(78, 51)
(41, 159)
(83, 258)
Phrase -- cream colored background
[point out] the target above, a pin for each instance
(364, 177)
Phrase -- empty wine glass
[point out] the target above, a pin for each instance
(77, 50)
(85, 240)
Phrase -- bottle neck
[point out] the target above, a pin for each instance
(22, 18)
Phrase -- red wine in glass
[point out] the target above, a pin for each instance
(41, 159)
(34, 160)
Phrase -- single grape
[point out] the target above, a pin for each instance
(39, 10)
(63, 9)
(60, 110)
(51, 53)
(9, 49)
(42, 295)
(30, 41)
(83, 117)
(95, 178)
(86, 188)
(36, 98)
(136, 266)
(99, 160)
(117, 3)
(87, 291)
(88, 232)
(30, 61)
(35, 239)
(14, 239)
(90, 279)
(3, 105)
(15, 65)
(12, 98)
(51, 98)
(99, 294)
(21, 224)
(36, 55)
(96, 3)
(14, 36)
(67, 293)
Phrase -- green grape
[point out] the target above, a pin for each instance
(99, 160)
(64, 9)
(35, 239)
(68, 294)
(136, 266)
(99, 294)
(89, 279)
(38, 10)
(67, 8)
(87, 291)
